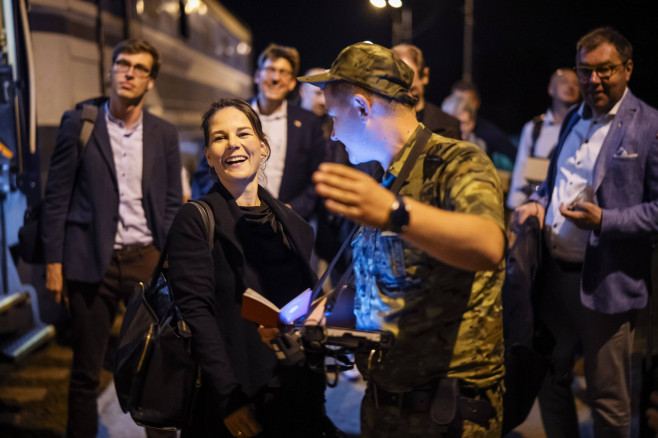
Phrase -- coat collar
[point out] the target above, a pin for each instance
(226, 212)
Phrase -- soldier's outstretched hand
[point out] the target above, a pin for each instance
(353, 194)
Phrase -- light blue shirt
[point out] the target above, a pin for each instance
(127, 150)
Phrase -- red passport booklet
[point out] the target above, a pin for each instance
(260, 310)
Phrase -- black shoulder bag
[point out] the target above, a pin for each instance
(155, 375)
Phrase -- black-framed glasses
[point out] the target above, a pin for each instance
(287, 74)
(602, 71)
(121, 66)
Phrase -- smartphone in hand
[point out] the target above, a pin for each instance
(585, 195)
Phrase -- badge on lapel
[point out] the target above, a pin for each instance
(297, 123)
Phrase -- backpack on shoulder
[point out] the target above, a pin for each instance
(29, 235)
(155, 375)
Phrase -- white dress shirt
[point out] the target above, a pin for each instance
(275, 126)
(575, 166)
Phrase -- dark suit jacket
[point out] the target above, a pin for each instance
(617, 265)
(439, 122)
(208, 289)
(306, 149)
(81, 209)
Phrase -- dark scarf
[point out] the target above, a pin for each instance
(270, 255)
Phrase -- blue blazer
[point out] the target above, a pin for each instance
(305, 150)
(616, 273)
(81, 209)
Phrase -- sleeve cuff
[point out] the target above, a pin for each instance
(234, 401)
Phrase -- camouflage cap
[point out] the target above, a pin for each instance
(369, 66)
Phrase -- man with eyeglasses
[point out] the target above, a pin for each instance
(106, 213)
(599, 210)
(295, 134)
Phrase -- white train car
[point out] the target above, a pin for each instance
(206, 53)
(56, 53)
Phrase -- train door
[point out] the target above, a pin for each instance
(21, 329)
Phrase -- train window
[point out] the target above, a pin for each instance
(161, 14)
(151, 7)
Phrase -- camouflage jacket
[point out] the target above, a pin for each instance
(447, 321)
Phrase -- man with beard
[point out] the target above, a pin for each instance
(599, 210)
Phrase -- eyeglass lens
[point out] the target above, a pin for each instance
(283, 73)
(138, 70)
(602, 71)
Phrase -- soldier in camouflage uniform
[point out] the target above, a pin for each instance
(428, 262)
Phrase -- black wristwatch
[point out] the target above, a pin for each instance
(398, 218)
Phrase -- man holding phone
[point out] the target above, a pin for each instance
(599, 208)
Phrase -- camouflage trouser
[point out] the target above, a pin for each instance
(393, 422)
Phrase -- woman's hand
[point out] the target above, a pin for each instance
(267, 334)
(242, 423)
(652, 412)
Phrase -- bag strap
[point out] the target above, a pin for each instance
(418, 148)
(208, 220)
(414, 154)
(209, 223)
(89, 114)
(88, 117)
(536, 130)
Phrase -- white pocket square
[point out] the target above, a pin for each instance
(624, 154)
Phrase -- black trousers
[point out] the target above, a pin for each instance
(93, 309)
(293, 410)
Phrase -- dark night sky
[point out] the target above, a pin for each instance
(517, 44)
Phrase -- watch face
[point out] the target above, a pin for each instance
(399, 217)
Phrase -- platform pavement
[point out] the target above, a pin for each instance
(343, 404)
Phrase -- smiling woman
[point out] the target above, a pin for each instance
(260, 244)
(236, 147)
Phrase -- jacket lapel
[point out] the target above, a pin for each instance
(618, 127)
(148, 149)
(102, 138)
(293, 132)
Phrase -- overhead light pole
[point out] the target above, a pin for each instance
(467, 68)
(401, 19)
